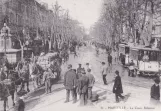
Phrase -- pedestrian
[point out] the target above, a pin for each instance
(83, 88)
(70, 83)
(75, 89)
(91, 83)
(4, 94)
(79, 69)
(155, 92)
(21, 104)
(88, 66)
(109, 60)
(104, 72)
(75, 53)
(131, 69)
(47, 80)
(117, 88)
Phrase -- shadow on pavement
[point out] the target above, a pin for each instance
(127, 97)
(31, 103)
(102, 96)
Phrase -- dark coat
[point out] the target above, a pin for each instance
(70, 79)
(110, 59)
(20, 106)
(155, 92)
(117, 88)
(83, 85)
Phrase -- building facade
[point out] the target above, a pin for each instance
(28, 15)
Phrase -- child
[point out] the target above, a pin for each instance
(20, 104)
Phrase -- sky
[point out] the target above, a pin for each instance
(86, 12)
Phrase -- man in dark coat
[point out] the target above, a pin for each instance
(109, 60)
(117, 88)
(155, 92)
(70, 83)
(83, 88)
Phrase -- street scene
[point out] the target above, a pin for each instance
(80, 55)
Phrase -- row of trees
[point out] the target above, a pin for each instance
(127, 20)
(61, 28)
(64, 28)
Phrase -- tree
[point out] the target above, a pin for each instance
(127, 19)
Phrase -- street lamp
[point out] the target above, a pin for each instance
(5, 32)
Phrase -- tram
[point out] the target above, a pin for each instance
(147, 60)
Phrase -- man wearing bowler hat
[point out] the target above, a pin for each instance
(117, 88)
(70, 83)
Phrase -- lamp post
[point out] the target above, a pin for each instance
(5, 34)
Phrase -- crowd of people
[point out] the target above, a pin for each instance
(80, 82)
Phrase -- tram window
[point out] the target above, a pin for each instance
(153, 56)
(127, 50)
(141, 54)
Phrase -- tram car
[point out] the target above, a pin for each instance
(146, 59)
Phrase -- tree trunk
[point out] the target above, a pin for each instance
(143, 24)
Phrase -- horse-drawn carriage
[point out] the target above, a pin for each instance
(52, 61)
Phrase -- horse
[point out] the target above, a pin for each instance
(23, 72)
(56, 68)
(64, 55)
(36, 72)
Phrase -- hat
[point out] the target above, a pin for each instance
(79, 64)
(157, 80)
(87, 63)
(83, 72)
(69, 66)
(117, 72)
(88, 70)
(103, 62)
